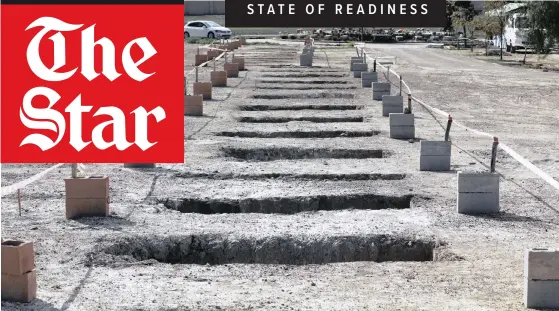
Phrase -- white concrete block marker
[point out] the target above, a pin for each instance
(358, 68)
(392, 104)
(478, 193)
(380, 89)
(402, 125)
(305, 60)
(355, 60)
(435, 155)
(541, 278)
(368, 77)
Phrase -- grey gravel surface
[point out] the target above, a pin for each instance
(147, 256)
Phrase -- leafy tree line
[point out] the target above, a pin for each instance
(543, 21)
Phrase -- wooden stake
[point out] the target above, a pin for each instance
(447, 133)
(19, 200)
(494, 154)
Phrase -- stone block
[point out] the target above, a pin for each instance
(353, 61)
(204, 89)
(358, 68)
(381, 86)
(478, 193)
(18, 257)
(540, 264)
(240, 61)
(232, 70)
(402, 126)
(19, 288)
(541, 294)
(305, 60)
(212, 54)
(199, 59)
(474, 182)
(87, 197)
(193, 105)
(435, 155)
(218, 78)
(377, 95)
(392, 104)
(387, 109)
(478, 203)
(368, 77)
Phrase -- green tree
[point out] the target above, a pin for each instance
(543, 20)
(498, 12)
(487, 24)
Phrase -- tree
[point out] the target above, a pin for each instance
(488, 24)
(463, 14)
(498, 11)
(543, 20)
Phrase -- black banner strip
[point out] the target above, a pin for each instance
(90, 2)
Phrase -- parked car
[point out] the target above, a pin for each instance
(206, 29)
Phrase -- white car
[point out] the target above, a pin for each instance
(206, 29)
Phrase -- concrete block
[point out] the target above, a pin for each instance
(392, 104)
(193, 105)
(401, 119)
(539, 264)
(478, 203)
(368, 77)
(402, 132)
(434, 163)
(87, 197)
(305, 60)
(19, 288)
(387, 109)
(212, 54)
(402, 126)
(240, 61)
(381, 86)
(218, 78)
(232, 70)
(472, 182)
(199, 59)
(358, 68)
(377, 95)
(434, 155)
(541, 294)
(87, 188)
(203, 88)
(435, 148)
(353, 61)
(18, 257)
(393, 99)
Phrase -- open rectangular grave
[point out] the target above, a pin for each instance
(261, 86)
(288, 205)
(304, 95)
(264, 107)
(301, 81)
(296, 153)
(292, 176)
(303, 75)
(219, 249)
(316, 119)
(298, 134)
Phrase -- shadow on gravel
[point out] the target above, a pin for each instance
(113, 223)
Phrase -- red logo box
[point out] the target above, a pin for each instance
(92, 81)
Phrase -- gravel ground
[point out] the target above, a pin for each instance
(334, 224)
